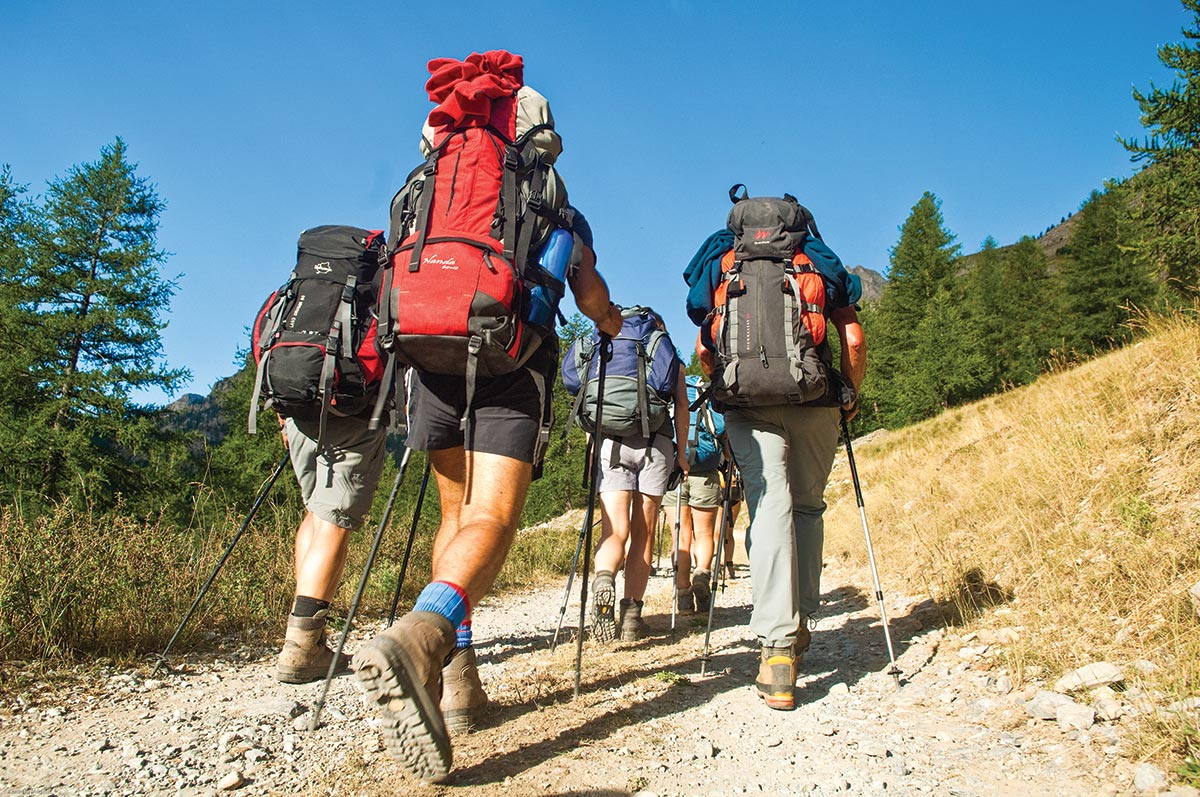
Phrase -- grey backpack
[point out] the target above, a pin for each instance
(768, 324)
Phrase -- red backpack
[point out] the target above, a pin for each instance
(456, 288)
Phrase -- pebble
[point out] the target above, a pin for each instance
(1044, 705)
(232, 780)
(272, 707)
(1073, 716)
(1148, 778)
(1090, 676)
(839, 689)
(704, 749)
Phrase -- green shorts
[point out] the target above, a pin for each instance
(337, 484)
(701, 490)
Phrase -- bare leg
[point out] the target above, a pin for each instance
(614, 530)
(493, 491)
(683, 579)
(704, 523)
(641, 544)
(320, 557)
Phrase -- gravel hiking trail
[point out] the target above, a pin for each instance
(646, 722)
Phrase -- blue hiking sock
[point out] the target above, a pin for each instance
(448, 600)
(463, 634)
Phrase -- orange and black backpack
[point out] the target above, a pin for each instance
(764, 340)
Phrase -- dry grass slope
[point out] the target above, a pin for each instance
(1075, 500)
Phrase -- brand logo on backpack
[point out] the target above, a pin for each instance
(322, 268)
(762, 235)
(448, 263)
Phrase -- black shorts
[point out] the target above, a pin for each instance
(506, 413)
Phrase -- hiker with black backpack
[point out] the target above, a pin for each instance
(644, 413)
(319, 368)
(698, 502)
(762, 291)
(473, 268)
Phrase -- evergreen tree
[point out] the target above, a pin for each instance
(984, 294)
(93, 299)
(1169, 212)
(949, 364)
(923, 262)
(1102, 277)
(17, 226)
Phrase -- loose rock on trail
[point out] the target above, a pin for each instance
(646, 721)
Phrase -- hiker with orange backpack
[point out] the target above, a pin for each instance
(762, 291)
(463, 274)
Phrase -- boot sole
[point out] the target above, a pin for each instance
(604, 624)
(306, 675)
(777, 702)
(412, 725)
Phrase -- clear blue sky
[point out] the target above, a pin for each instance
(257, 120)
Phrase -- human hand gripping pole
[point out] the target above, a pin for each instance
(887, 635)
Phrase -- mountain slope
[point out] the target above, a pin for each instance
(1074, 500)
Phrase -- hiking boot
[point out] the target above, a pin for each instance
(462, 691)
(803, 641)
(633, 627)
(730, 570)
(685, 601)
(776, 682)
(701, 589)
(604, 596)
(305, 657)
(401, 672)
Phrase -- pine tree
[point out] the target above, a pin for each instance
(1169, 211)
(923, 262)
(1102, 279)
(94, 298)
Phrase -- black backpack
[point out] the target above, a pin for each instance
(314, 339)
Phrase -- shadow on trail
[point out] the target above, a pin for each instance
(846, 654)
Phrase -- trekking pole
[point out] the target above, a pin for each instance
(597, 439)
(658, 530)
(712, 592)
(262, 495)
(887, 635)
(358, 593)
(412, 534)
(675, 556)
(562, 610)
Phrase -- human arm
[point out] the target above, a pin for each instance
(681, 422)
(854, 351)
(591, 294)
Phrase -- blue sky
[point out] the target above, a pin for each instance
(257, 120)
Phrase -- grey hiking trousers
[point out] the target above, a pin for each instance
(785, 454)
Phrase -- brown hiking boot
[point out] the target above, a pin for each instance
(305, 656)
(632, 626)
(401, 672)
(776, 682)
(462, 691)
(685, 601)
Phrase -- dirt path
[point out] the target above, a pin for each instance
(646, 720)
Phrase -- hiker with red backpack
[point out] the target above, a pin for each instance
(318, 367)
(472, 268)
(763, 290)
(644, 413)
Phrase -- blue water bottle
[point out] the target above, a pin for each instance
(553, 260)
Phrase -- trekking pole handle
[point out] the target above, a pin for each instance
(853, 468)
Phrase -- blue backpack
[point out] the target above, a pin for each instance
(707, 428)
(639, 381)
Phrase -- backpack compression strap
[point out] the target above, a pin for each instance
(270, 328)
(643, 404)
(338, 344)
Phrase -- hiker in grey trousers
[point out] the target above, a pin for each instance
(785, 454)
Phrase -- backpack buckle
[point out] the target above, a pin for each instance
(512, 158)
(474, 344)
(536, 203)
